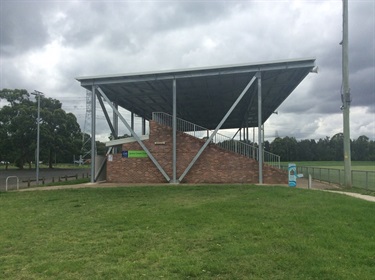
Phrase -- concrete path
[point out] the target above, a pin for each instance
(357, 195)
(317, 185)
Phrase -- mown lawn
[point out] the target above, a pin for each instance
(186, 232)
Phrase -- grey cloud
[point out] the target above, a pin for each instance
(104, 37)
(21, 26)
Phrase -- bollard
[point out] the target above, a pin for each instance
(310, 181)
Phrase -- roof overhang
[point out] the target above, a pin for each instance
(204, 95)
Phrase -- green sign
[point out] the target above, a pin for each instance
(136, 154)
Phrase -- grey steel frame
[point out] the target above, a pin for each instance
(174, 179)
(93, 133)
(174, 124)
(260, 150)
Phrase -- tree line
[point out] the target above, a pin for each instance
(61, 136)
(326, 149)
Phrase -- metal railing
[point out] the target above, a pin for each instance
(360, 178)
(223, 141)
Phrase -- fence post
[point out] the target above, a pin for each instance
(329, 181)
(320, 174)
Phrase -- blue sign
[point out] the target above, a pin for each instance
(125, 154)
(292, 174)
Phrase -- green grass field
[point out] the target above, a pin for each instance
(186, 232)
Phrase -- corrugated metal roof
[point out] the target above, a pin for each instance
(204, 95)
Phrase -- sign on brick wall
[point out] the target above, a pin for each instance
(134, 154)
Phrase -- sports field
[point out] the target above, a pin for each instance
(186, 232)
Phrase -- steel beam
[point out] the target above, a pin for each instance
(132, 121)
(93, 132)
(115, 121)
(106, 115)
(174, 128)
(115, 126)
(158, 166)
(260, 142)
(216, 129)
(143, 126)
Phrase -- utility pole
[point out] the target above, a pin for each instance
(346, 99)
(37, 94)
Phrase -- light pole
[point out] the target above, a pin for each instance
(37, 94)
(346, 99)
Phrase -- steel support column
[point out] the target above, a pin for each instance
(93, 132)
(115, 125)
(216, 129)
(247, 132)
(174, 128)
(260, 142)
(143, 126)
(158, 166)
(115, 121)
(132, 121)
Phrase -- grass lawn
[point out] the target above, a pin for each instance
(185, 232)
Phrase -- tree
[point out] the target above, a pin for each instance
(60, 134)
(361, 148)
(337, 146)
(17, 121)
(285, 147)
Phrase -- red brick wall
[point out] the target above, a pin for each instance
(215, 165)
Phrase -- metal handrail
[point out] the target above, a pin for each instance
(223, 141)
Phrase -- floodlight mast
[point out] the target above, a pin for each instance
(346, 99)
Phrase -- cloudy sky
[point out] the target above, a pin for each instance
(44, 45)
